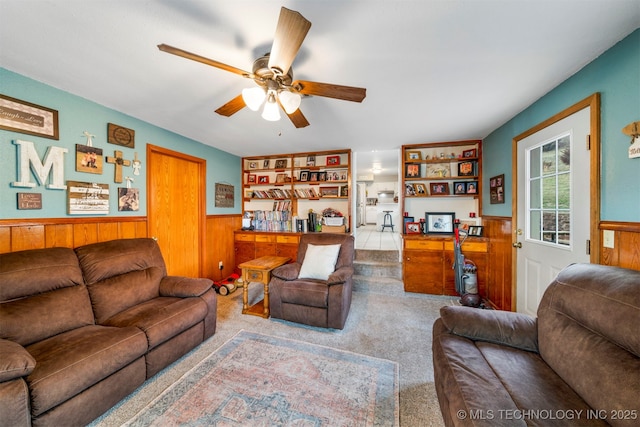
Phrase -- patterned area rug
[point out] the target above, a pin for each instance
(260, 380)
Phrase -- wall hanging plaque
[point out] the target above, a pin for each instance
(121, 136)
(86, 198)
(24, 117)
(224, 196)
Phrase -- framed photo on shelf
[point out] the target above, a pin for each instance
(251, 178)
(248, 194)
(263, 179)
(420, 190)
(313, 176)
(459, 187)
(412, 227)
(281, 164)
(311, 160)
(440, 222)
(470, 153)
(413, 155)
(475, 230)
(266, 163)
(439, 188)
(472, 187)
(322, 176)
(467, 168)
(253, 165)
(281, 178)
(329, 191)
(409, 189)
(344, 191)
(304, 176)
(412, 170)
(333, 160)
(438, 170)
(406, 220)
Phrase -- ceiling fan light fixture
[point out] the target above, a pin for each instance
(271, 110)
(253, 97)
(290, 101)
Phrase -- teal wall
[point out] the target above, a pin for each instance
(77, 115)
(616, 75)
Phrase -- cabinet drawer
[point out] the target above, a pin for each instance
(244, 237)
(287, 239)
(265, 238)
(423, 244)
(468, 246)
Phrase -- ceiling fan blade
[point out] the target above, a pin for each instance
(291, 30)
(232, 107)
(298, 119)
(198, 58)
(346, 93)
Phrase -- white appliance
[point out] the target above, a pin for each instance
(361, 201)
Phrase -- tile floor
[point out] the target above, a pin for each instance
(367, 237)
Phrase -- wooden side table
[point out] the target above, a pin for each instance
(259, 270)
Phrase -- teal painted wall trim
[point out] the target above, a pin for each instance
(77, 115)
(616, 75)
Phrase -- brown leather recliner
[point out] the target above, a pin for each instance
(314, 302)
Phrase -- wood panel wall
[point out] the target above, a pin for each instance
(18, 235)
(500, 289)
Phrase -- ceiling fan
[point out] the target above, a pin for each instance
(274, 77)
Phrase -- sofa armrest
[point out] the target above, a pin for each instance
(287, 272)
(499, 327)
(341, 275)
(15, 361)
(183, 287)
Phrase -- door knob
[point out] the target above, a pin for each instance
(517, 245)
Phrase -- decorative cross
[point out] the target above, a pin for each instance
(119, 161)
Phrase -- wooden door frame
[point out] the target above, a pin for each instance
(593, 102)
(202, 196)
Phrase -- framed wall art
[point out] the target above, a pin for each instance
(89, 159)
(25, 117)
(121, 135)
(128, 199)
(440, 222)
(496, 189)
(84, 198)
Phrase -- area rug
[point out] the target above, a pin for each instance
(260, 380)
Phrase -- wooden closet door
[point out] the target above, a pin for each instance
(176, 194)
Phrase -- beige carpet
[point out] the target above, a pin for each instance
(393, 327)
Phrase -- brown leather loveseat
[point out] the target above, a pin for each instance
(576, 364)
(80, 330)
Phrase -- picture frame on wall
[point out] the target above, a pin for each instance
(496, 189)
(24, 117)
(440, 222)
(89, 159)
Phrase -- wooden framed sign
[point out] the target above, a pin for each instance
(120, 135)
(24, 117)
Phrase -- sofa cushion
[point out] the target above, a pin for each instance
(102, 260)
(588, 334)
(15, 361)
(162, 318)
(73, 361)
(319, 261)
(41, 316)
(115, 294)
(307, 292)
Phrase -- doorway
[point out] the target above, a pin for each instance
(176, 194)
(553, 213)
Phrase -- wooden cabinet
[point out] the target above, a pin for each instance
(249, 245)
(278, 189)
(427, 265)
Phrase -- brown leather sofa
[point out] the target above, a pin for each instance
(576, 364)
(80, 330)
(314, 302)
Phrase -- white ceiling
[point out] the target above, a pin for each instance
(434, 70)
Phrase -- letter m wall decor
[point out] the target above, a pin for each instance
(53, 164)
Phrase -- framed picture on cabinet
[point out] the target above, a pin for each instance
(412, 170)
(412, 227)
(475, 230)
(304, 176)
(439, 188)
(251, 178)
(459, 187)
(333, 160)
(281, 164)
(440, 222)
(406, 220)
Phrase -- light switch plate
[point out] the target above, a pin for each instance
(608, 239)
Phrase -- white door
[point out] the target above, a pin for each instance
(553, 205)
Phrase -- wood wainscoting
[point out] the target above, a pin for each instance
(500, 289)
(18, 235)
